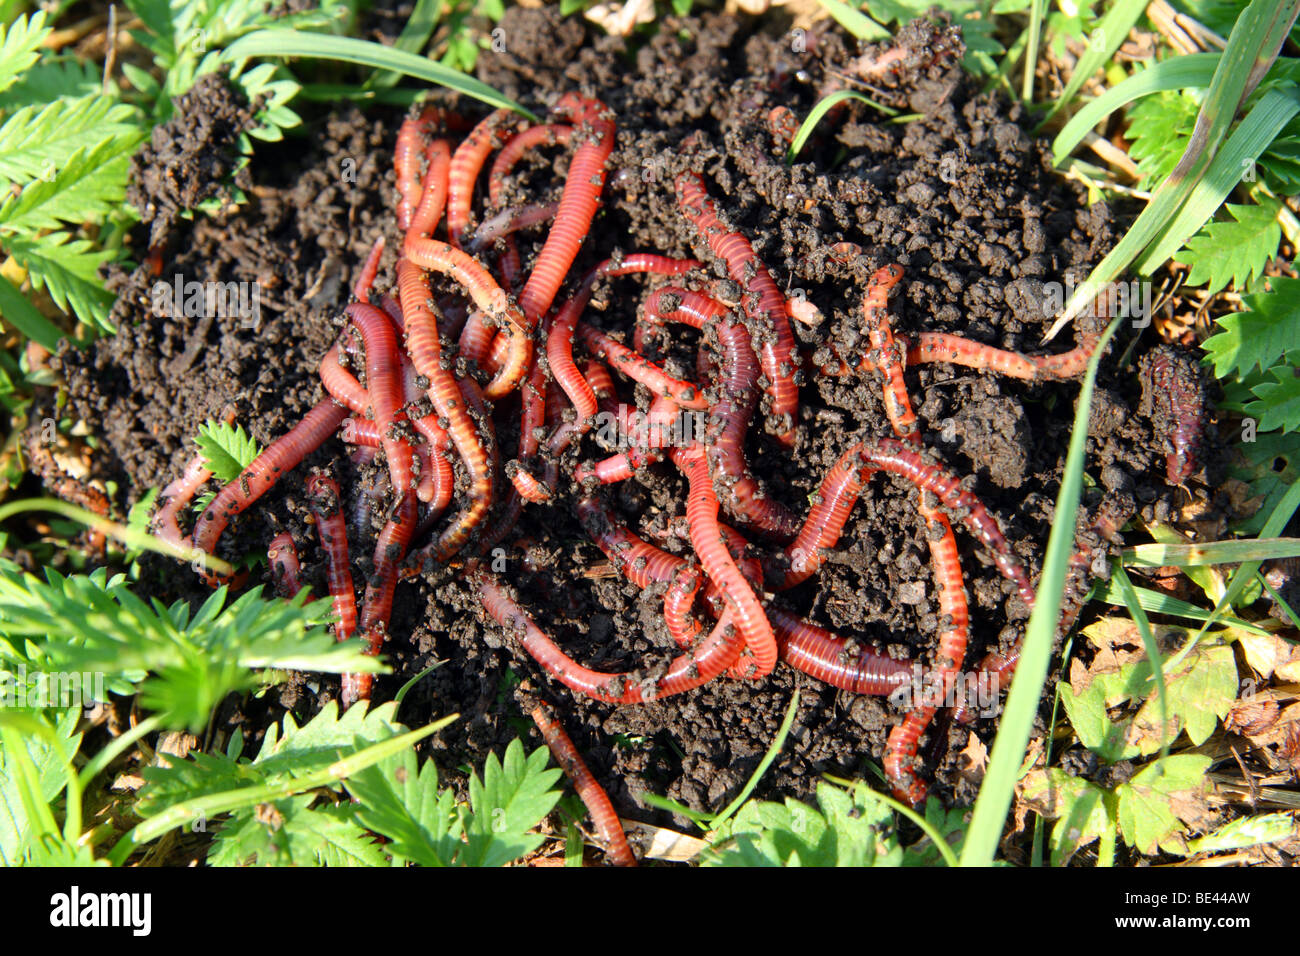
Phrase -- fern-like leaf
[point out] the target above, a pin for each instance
(1233, 250)
(48, 760)
(69, 270)
(1258, 336)
(512, 798)
(1159, 129)
(53, 78)
(227, 449)
(88, 188)
(20, 43)
(37, 141)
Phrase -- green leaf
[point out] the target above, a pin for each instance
(1202, 688)
(290, 832)
(48, 757)
(1109, 34)
(1233, 251)
(18, 311)
(1078, 806)
(401, 802)
(1247, 831)
(36, 141)
(1260, 334)
(1159, 128)
(53, 78)
(512, 798)
(1270, 465)
(1150, 802)
(227, 449)
(20, 42)
(87, 188)
(1277, 403)
(855, 21)
(69, 270)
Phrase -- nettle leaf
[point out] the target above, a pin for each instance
(1158, 132)
(49, 759)
(326, 737)
(1277, 403)
(228, 449)
(400, 801)
(1259, 335)
(291, 832)
(69, 270)
(1233, 251)
(1156, 800)
(20, 44)
(851, 829)
(36, 140)
(1201, 692)
(54, 78)
(1080, 808)
(512, 798)
(89, 187)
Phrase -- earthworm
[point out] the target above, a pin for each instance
(578, 204)
(889, 356)
(448, 400)
(547, 134)
(326, 504)
(432, 486)
(682, 624)
(377, 606)
(433, 199)
(596, 800)
(763, 303)
(342, 384)
(406, 163)
(254, 481)
(366, 279)
(702, 516)
(177, 495)
(635, 559)
(1173, 393)
(466, 164)
(282, 555)
(955, 350)
(384, 385)
(640, 369)
(437, 480)
(360, 431)
(597, 377)
(833, 660)
(510, 221)
(437, 256)
(532, 398)
(714, 655)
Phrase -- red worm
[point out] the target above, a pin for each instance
(437, 480)
(360, 431)
(578, 204)
(763, 302)
(641, 369)
(601, 383)
(955, 350)
(889, 357)
(706, 537)
(286, 572)
(446, 394)
(635, 559)
(377, 606)
(434, 197)
(258, 478)
(1173, 393)
(341, 383)
(437, 256)
(361, 290)
(683, 626)
(596, 800)
(548, 134)
(475, 340)
(714, 655)
(406, 162)
(510, 221)
(181, 491)
(834, 660)
(327, 507)
(532, 397)
(384, 385)
(466, 164)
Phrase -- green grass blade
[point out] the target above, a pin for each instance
(855, 21)
(1247, 143)
(1278, 599)
(1027, 686)
(1106, 38)
(1032, 37)
(1157, 602)
(768, 759)
(1214, 552)
(1177, 73)
(820, 110)
(289, 43)
(1134, 606)
(18, 311)
(416, 33)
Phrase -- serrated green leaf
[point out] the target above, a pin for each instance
(1078, 806)
(400, 801)
(1259, 335)
(1233, 251)
(513, 796)
(48, 760)
(1201, 692)
(53, 78)
(36, 141)
(88, 187)
(1277, 404)
(227, 449)
(1159, 128)
(18, 311)
(290, 832)
(1149, 802)
(69, 270)
(20, 42)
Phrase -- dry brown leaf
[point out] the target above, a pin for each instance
(1270, 655)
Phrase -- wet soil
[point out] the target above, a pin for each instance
(962, 195)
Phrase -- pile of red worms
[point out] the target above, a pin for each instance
(417, 378)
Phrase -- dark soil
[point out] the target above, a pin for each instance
(963, 197)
